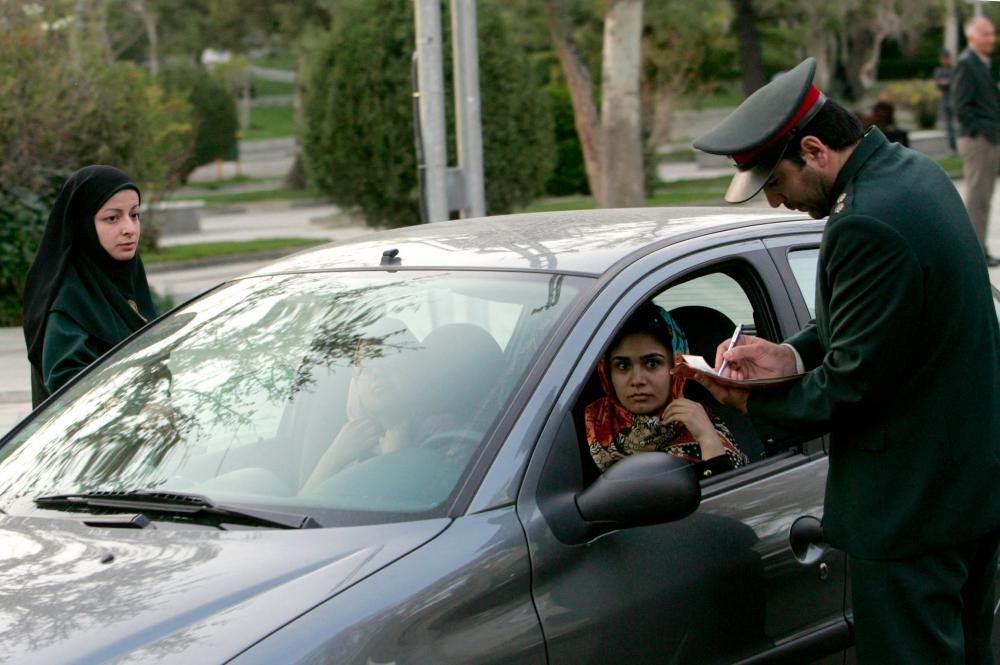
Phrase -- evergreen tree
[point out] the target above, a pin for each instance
(359, 141)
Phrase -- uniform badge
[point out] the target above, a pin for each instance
(135, 308)
(840, 203)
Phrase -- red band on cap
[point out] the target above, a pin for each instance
(812, 95)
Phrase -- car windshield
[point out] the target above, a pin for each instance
(353, 397)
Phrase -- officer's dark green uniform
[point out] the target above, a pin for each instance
(903, 371)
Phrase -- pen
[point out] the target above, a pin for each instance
(732, 343)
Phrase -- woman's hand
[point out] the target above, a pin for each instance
(355, 438)
(695, 418)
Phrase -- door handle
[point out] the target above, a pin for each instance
(806, 540)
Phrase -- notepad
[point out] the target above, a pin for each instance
(699, 363)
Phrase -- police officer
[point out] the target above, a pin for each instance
(901, 366)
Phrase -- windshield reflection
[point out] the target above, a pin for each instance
(358, 392)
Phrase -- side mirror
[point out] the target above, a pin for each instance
(640, 490)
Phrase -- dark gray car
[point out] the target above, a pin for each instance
(373, 453)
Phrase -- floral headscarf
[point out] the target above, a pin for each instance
(614, 432)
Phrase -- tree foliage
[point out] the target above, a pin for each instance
(359, 134)
(56, 116)
(213, 113)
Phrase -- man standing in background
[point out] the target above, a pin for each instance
(976, 101)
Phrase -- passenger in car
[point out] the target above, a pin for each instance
(388, 411)
(381, 404)
(643, 409)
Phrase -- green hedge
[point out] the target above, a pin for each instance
(214, 114)
(56, 116)
(359, 140)
(570, 174)
(23, 214)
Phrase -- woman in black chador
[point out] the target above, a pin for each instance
(86, 290)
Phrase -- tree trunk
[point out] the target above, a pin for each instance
(826, 59)
(751, 60)
(621, 130)
(951, 28)
(581, 92)
(869, 69)
(148, 17)
(78, 33)
(856, 53)
(663, 104)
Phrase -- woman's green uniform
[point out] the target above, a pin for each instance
(79, 302)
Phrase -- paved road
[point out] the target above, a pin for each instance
(261, 220)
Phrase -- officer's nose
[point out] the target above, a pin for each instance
(773, 198)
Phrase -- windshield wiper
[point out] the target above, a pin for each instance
(176, 503)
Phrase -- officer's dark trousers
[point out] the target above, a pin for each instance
(936, 608)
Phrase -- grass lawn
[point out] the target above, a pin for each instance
(226, 183)
(275, 61)
(213, 249)
(952, 164)
(267, 87)
(223, 198)
(270, 122)
(681, 192)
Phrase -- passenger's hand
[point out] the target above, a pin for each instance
(754, 358)
(355, 438)
(696, 419)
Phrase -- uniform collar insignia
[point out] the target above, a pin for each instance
(839, 205)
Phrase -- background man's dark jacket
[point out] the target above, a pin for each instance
(975, 98)
(903, 363)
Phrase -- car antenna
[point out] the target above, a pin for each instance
(390, 258)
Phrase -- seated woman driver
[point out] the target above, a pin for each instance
(643, 409)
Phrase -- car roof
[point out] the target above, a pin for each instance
(576, 241)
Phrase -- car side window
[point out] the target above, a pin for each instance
(803, 265)
(705, 307)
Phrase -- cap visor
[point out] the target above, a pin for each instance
(745, 184)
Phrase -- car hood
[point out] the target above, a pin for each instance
(76, 594)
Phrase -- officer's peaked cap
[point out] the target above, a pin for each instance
(759, 131)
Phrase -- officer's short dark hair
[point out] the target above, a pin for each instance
(834, 125)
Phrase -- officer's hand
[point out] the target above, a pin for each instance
(754, 358)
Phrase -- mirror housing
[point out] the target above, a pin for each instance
(640, 490)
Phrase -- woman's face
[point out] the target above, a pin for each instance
(640, 373)
(117, 224)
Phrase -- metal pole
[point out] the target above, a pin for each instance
(430, 79)
(465, 55)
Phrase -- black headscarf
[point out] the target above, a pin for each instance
(73, 273)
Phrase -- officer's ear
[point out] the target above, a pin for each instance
(815, 153)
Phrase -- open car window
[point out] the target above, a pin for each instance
(706, 306)
(352, 397)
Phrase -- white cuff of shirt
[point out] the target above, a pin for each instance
(800, 366)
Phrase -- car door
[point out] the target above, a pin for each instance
(721, 585)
